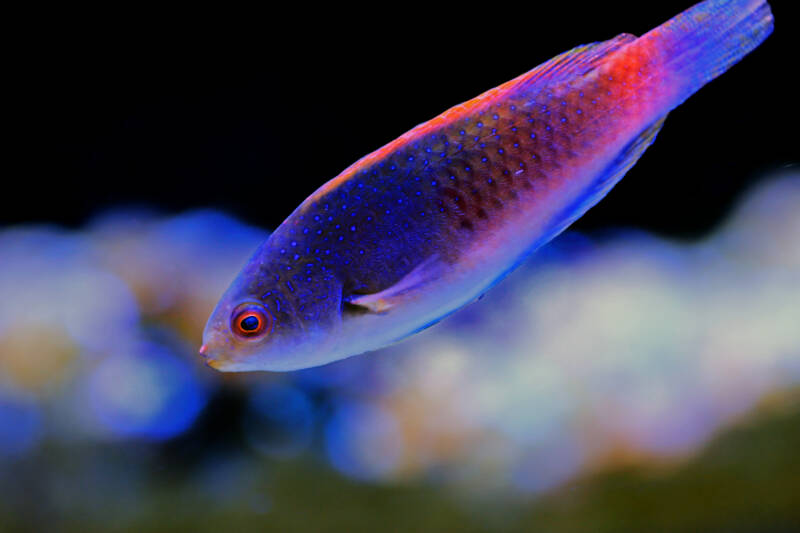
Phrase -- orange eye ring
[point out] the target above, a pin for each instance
(251, 321)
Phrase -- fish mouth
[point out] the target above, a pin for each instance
(221, 363)
(210, 359)
(213, 363)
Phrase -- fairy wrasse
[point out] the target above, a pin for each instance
(428, 223)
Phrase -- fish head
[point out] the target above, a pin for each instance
(265, 322)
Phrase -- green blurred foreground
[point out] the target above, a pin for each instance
(746, 480)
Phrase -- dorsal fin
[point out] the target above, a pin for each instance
(575, 62)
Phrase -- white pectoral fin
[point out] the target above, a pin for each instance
(385, 300)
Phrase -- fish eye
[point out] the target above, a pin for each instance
(250, 321)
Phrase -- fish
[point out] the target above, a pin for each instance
(428, 223)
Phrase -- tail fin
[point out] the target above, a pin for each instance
(706, 40)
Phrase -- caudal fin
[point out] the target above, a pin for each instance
(706, 40)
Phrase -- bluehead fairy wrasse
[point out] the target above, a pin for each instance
(428, 223)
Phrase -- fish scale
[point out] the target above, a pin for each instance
(458, 181)
(429, 222)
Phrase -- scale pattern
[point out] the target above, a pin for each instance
(548, 144)
(452, 180)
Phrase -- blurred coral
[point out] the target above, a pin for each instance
(599, 351)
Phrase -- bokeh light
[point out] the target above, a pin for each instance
(601, 351)
(20, 426)
(280, 420)
(145, 392)
(363, 441)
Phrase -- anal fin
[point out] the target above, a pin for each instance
(606, 179)
(631, 154)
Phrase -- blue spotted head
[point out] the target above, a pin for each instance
(274, 316)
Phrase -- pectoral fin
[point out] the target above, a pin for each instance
(389, 298)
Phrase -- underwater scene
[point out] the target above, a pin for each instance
(236, 296)
(617, 381)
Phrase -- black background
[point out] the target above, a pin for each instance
(251, 111)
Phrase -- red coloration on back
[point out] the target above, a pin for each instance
(549, 72)
(432, 220)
